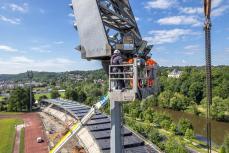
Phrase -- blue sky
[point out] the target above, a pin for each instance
(39, 34)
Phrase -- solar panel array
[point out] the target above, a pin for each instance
(100, 128)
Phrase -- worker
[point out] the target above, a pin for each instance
(117, 59)
(150, 63)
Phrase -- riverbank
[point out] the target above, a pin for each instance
(192, 145)
(219, 129)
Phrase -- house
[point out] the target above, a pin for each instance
(175, 74)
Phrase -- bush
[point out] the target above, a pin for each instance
(55, 94)
(164, 99)
(82, 96)
(183, 125)
(219, 108)
(189, 134)
(166, 124)
(175, 146)
(42, 97)
(173, 127)
(148, 115)
(225, 147)
(155, 136)
(179, 102)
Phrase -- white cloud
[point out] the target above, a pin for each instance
(19, 8)
(192, 10)
(191, 49)
(168, 36)
(42, 49)
(58, 42)
(160, 4)
(220, 10)
(6, 48)
(216, 3)
(227, 50)
(71, 15)
(180, 20)
(21, 60)
(21, 64)
(9, 20)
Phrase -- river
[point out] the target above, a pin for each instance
(219, 129)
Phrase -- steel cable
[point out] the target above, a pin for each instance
(207, 29)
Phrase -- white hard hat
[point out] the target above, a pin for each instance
(117, 51)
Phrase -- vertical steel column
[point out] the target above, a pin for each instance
(30, 96)
(30, 77)
(116, 120)
(208, 80)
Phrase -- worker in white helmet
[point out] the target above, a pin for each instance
(117, 59)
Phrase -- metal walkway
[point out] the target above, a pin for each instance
(99, 127)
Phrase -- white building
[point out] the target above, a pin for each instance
(175, 74)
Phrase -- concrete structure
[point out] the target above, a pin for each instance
(96, 134)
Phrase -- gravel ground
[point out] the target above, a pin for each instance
(55, 130)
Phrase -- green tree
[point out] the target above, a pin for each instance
(189, 134)
(155, 136)
(185, 87)
(183, 125)
(224, 92)
(71, 94)
(55, 94)
(82, 96)
(19, 100)
(148, 115)
(173, 145)
(179, 102)
(135, 112)
(42, 97)
(218, 108)
(164, 98)
(196, 92)
(225, 147)
(173, 127)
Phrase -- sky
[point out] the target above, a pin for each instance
(39, 35)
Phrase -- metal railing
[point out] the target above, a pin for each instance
(121, 74)
(133, 76)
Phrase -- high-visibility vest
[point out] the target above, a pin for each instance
(150, 62)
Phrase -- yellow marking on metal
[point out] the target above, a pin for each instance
(74, 127)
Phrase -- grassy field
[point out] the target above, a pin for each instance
(37, 96)
(10, 113)
(7, 134)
